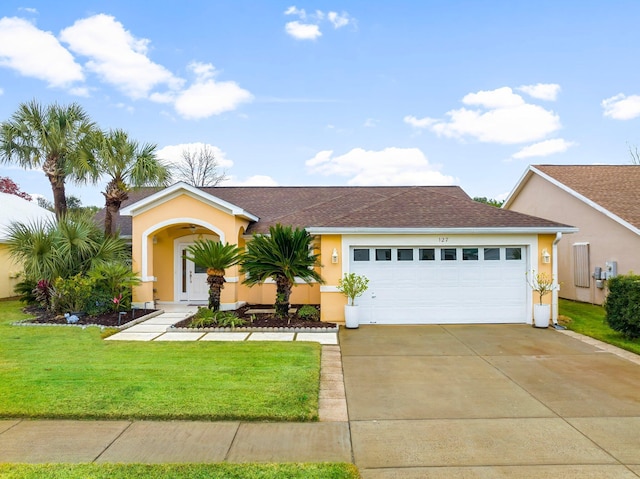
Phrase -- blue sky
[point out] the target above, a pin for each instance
(338, 93)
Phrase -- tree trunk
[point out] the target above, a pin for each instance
(57, 178)
(114, 196)
(216, 283)
(283, 292)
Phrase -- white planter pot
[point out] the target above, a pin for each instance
(541, 315)
(351, 320)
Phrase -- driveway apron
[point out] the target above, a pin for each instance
(486, 401)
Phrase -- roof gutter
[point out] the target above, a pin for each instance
(434, 231)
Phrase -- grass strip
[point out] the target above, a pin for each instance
(179, 471)
(71, 373)
(589, 319)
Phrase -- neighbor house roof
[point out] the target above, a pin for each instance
(16, 209)
(612, 189)
(360, 209)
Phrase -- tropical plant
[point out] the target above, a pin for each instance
(113, 281)
(53, 139)
(283, 255)
(50, 249)
(72, 294)
(216, 258)
(128, 165)
(353, 286)
(542, 283)
(308, 312)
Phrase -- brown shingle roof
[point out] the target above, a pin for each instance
(361, 207)
(614, 187)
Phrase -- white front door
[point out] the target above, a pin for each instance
(192, 279)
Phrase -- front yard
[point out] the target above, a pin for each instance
(70, 372)
(589, 319)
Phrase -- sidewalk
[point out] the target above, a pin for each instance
(25, 441)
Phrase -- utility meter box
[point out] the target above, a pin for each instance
(611, 269)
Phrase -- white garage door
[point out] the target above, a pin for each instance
(409, 285)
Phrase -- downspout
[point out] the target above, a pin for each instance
(556, 285)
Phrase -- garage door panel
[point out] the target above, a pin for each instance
(443, 292)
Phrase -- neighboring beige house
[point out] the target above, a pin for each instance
(13, 208)
(603, 201)
(432, 254)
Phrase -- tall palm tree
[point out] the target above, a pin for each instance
(283, 255)
(216, 257)
(129, 165)
(51, 138)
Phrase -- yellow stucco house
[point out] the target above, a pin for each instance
(432, 254)
(13, 208)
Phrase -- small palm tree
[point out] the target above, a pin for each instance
(128, 165)
(216, 257)
(283, 255)
(53, 139)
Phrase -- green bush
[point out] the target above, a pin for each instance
(72, 295)
(227, 319)
(308, 312)
(25, 291)
(113, 279)
(623, 305)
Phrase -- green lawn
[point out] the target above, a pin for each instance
(588, 319)
(179, 471)
(69, 372)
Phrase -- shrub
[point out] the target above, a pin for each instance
(622, 306)
(227, 319)
(25, 291)
(308, 312)
(72, 295)
(113, 279)
(206, 318)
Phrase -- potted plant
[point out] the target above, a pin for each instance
(543, 284)
(352, 286)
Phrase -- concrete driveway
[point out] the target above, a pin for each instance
(488, 401)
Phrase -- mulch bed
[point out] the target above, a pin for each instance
(269, 320)
(109, 319)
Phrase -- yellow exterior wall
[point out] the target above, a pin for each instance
(544, 242)
(9, 273)
(332, 302)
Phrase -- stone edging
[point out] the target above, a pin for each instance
(253, 330)
(25, 322)
(610, 348)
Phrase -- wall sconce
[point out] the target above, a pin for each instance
(546, 257)
(334, 256)
(155, 239)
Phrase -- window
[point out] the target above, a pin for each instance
(427, 254)
(405, 254)
(199, 269)
(581, 272)
(383, 254)
(360, 254)
(492, 254)
(469, 254)
(448, 254)
(513, 254)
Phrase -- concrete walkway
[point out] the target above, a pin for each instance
(486, 401)
(157, 328)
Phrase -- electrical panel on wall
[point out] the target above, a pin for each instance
(611, 269)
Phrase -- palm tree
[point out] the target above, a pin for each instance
(216, 257)
(128, 165)
(283, 255)
(51, 138)
(63, 248)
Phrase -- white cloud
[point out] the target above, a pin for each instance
(419, 122)
(503, 117)
(622, 107)
(303, 31)
(28, 10)
(255, 180)
(173, 153)
(338, 20)
(544, 148)
(391, 166)
(370, 123)
(1, 91)
(206, 97)
(541, 91)
(117, 56)
(36, 53)
(299, 12)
